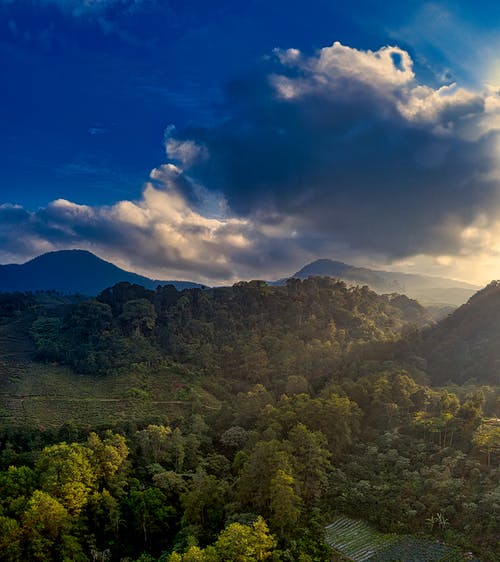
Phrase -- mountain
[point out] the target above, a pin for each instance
(73, 271)
(466, 345)
(426, 289)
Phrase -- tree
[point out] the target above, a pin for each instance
(487, 438)
(161, 444)
(45, 521)
(89, 318)
(284, 504)
(205, 503)
(10, 539)
(255, 481)
(244, 543)
(67, 474)
(138, 316)
(108, 454)
(16, 486)
(150, 514)
(194, 554)
(310, 457)
(470, 412)
(296, 384)
(234, 438)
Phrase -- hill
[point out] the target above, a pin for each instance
(466, 344)
(426, 289)
(72, 271)
(249, 332)
(48, 395)
(217, 400)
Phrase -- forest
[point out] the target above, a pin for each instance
(289, 407)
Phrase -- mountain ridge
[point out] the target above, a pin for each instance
(81, 271)
(74, 271)
(427, 289)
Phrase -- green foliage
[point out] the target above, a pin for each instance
(46, 521)
(138, 316)
(45, 332)
(464, 346)
(487, 438)
(66, 473)
(11, 535)
(244, 543)
(310, 458)
(204, 504)
(256, 477)
(285, 336)
(284, 502)
(196, 414)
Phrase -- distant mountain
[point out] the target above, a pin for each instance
(426, 289)
(73, 271)
(466, 345)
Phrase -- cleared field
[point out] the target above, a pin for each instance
(359, 542)
(48, 395)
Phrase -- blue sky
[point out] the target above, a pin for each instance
(224, 140)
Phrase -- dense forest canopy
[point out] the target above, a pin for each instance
(250, 331)
(325, 400)
(465, 345)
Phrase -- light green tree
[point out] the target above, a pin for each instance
(487, 438)
(285, 502)
(108, 454)
(244, 543)
(45, 522)
(66, 473)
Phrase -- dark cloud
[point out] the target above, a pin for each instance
(351, 146)
(343, 154)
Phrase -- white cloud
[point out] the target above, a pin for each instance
(351, 158)
(187, 152)
(160, 234)
(339, 70)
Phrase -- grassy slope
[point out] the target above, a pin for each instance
(48, 395)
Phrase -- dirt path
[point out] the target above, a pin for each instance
(89, 399)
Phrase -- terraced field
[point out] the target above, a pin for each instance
(359, 542)
(48, 395)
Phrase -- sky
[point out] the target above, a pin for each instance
(226, 140)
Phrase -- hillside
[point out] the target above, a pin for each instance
(426, 289)
(72, 271)
(466, 344)
(250, 332)
(49, 395)
(156, 421)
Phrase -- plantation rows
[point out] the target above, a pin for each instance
(356, 539)
(361, 543)
(414, 549)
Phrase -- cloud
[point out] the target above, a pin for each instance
(350, 145)
(186, 152)
(345, 154)
(160, 234)
(97, 131)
